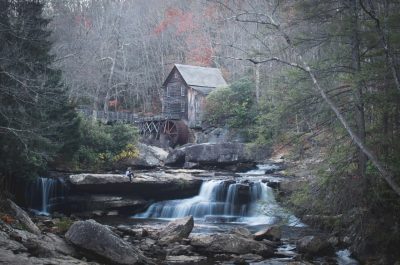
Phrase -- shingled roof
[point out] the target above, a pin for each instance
(202, 79)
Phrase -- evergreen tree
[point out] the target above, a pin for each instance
(36, 119)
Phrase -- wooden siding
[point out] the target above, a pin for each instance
(196, 105)
(175, 97)
(180, 101)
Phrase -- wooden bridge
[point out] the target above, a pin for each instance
(167, 129)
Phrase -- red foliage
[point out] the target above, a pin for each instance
(183, 21)
(199, 50)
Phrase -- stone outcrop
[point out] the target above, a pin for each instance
(153, 185)
(206, 154)
(149, 157)
(92, 236)
(105, 203)
(23, 247)
(22, 217)
(314, 246)
(177, 230)
(229, 243)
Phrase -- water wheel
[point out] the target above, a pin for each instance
(175, 132)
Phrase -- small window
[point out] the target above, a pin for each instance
(182, 91)
(167, 91)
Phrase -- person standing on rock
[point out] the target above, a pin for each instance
(129, 174)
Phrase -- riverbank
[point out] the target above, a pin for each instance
(340, 203)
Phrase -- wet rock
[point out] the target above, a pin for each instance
(220, 219)
(177, 230)
(97, 203)
(243, 193)
(273, 233)
(229, 243)
(190, 165)
(149, 157)
(185, 259)
(273, 184)
(314, 246)
(92, 236)
(22, 217)
(126, 230)
(251, 258)
(241, 231)
(178, 250)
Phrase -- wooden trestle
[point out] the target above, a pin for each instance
(172, 130)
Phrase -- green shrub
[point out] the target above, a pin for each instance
(102, 144)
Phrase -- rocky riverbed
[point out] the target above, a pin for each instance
(227, 234)
(175, 242)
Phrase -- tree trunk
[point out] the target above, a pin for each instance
(358, 93)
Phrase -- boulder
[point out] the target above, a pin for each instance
(176, 157)
(149, 157)
(92, 236)
(22, 217)
(229, 243)
(314, 246)
(273, 233)
(207, 154)
(177, 230)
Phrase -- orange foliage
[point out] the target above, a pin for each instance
(183, 21)
(8, 219)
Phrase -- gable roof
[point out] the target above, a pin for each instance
(199, 77)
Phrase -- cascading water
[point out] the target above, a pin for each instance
(228, 198)
(44, 193)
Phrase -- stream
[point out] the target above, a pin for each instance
(221, 204)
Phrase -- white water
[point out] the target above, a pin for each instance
(216, 198)
(244, 200)
(41, 194)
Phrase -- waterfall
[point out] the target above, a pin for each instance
(43, 194)
(228, 198)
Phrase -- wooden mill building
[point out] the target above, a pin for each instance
(185, 90)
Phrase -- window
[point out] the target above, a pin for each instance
(182, 91)
(182, 106)
(167, 91)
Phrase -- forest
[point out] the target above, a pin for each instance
(315, 81)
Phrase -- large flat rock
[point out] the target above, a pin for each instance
(156, 185)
